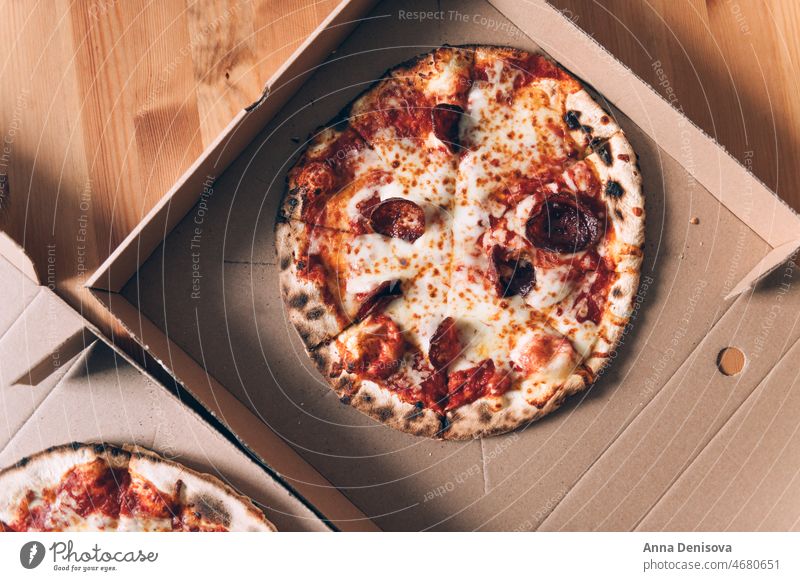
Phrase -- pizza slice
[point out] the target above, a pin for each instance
(509, 365)
(99, 487)
(337, 167)
(583, 234)
(596, 304)
(371, 202)
(391, 364)
(510, 371)
(411, 119)
(331, 279)
(526, 120)
(523, 281)
(355, 192)
(386, 364)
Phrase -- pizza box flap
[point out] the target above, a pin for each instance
(42, 330)
(53, 365)
(767, 265)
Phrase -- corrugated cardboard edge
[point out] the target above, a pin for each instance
(766, 265)
(125, 260)
(251, 432)
(774, 221)
(47, 331)
(14, 253)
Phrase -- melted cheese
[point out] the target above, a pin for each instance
(508, 133)
(520, 137)
(505, 137)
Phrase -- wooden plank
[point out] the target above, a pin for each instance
(106, 103)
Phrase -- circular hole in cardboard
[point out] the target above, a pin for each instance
(730, 361)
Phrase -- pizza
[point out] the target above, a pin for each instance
(460, 249)
(99, 487)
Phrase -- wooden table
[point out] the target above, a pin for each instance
(106, 102)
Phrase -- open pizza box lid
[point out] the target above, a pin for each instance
(61, 381)
(663, 440)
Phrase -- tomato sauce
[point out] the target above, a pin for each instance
(429, 393)
(468, 385)
(95, 488)
(144, 499)
(597, 295)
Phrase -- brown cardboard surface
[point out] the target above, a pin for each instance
(212, 288)
(746, 478)
(98, 394)
(44, 334)
(19, 289)
(621, 487)
(38, 331)
(102, 398)
(13, 283)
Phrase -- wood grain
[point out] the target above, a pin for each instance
(106, 102)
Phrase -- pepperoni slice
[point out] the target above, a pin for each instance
(515, 273)
(445, 345)
(468, 385)
(398, 218)
(562, 224)
(445, 123)
(375, 301)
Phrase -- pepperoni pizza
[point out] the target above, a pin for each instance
(99, 487)
(460, 250)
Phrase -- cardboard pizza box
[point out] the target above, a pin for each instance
(61, 382)
(661, 423)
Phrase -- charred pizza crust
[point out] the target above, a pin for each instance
(370, 398)
(588, 134)
(308, 306)
(205, 498)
